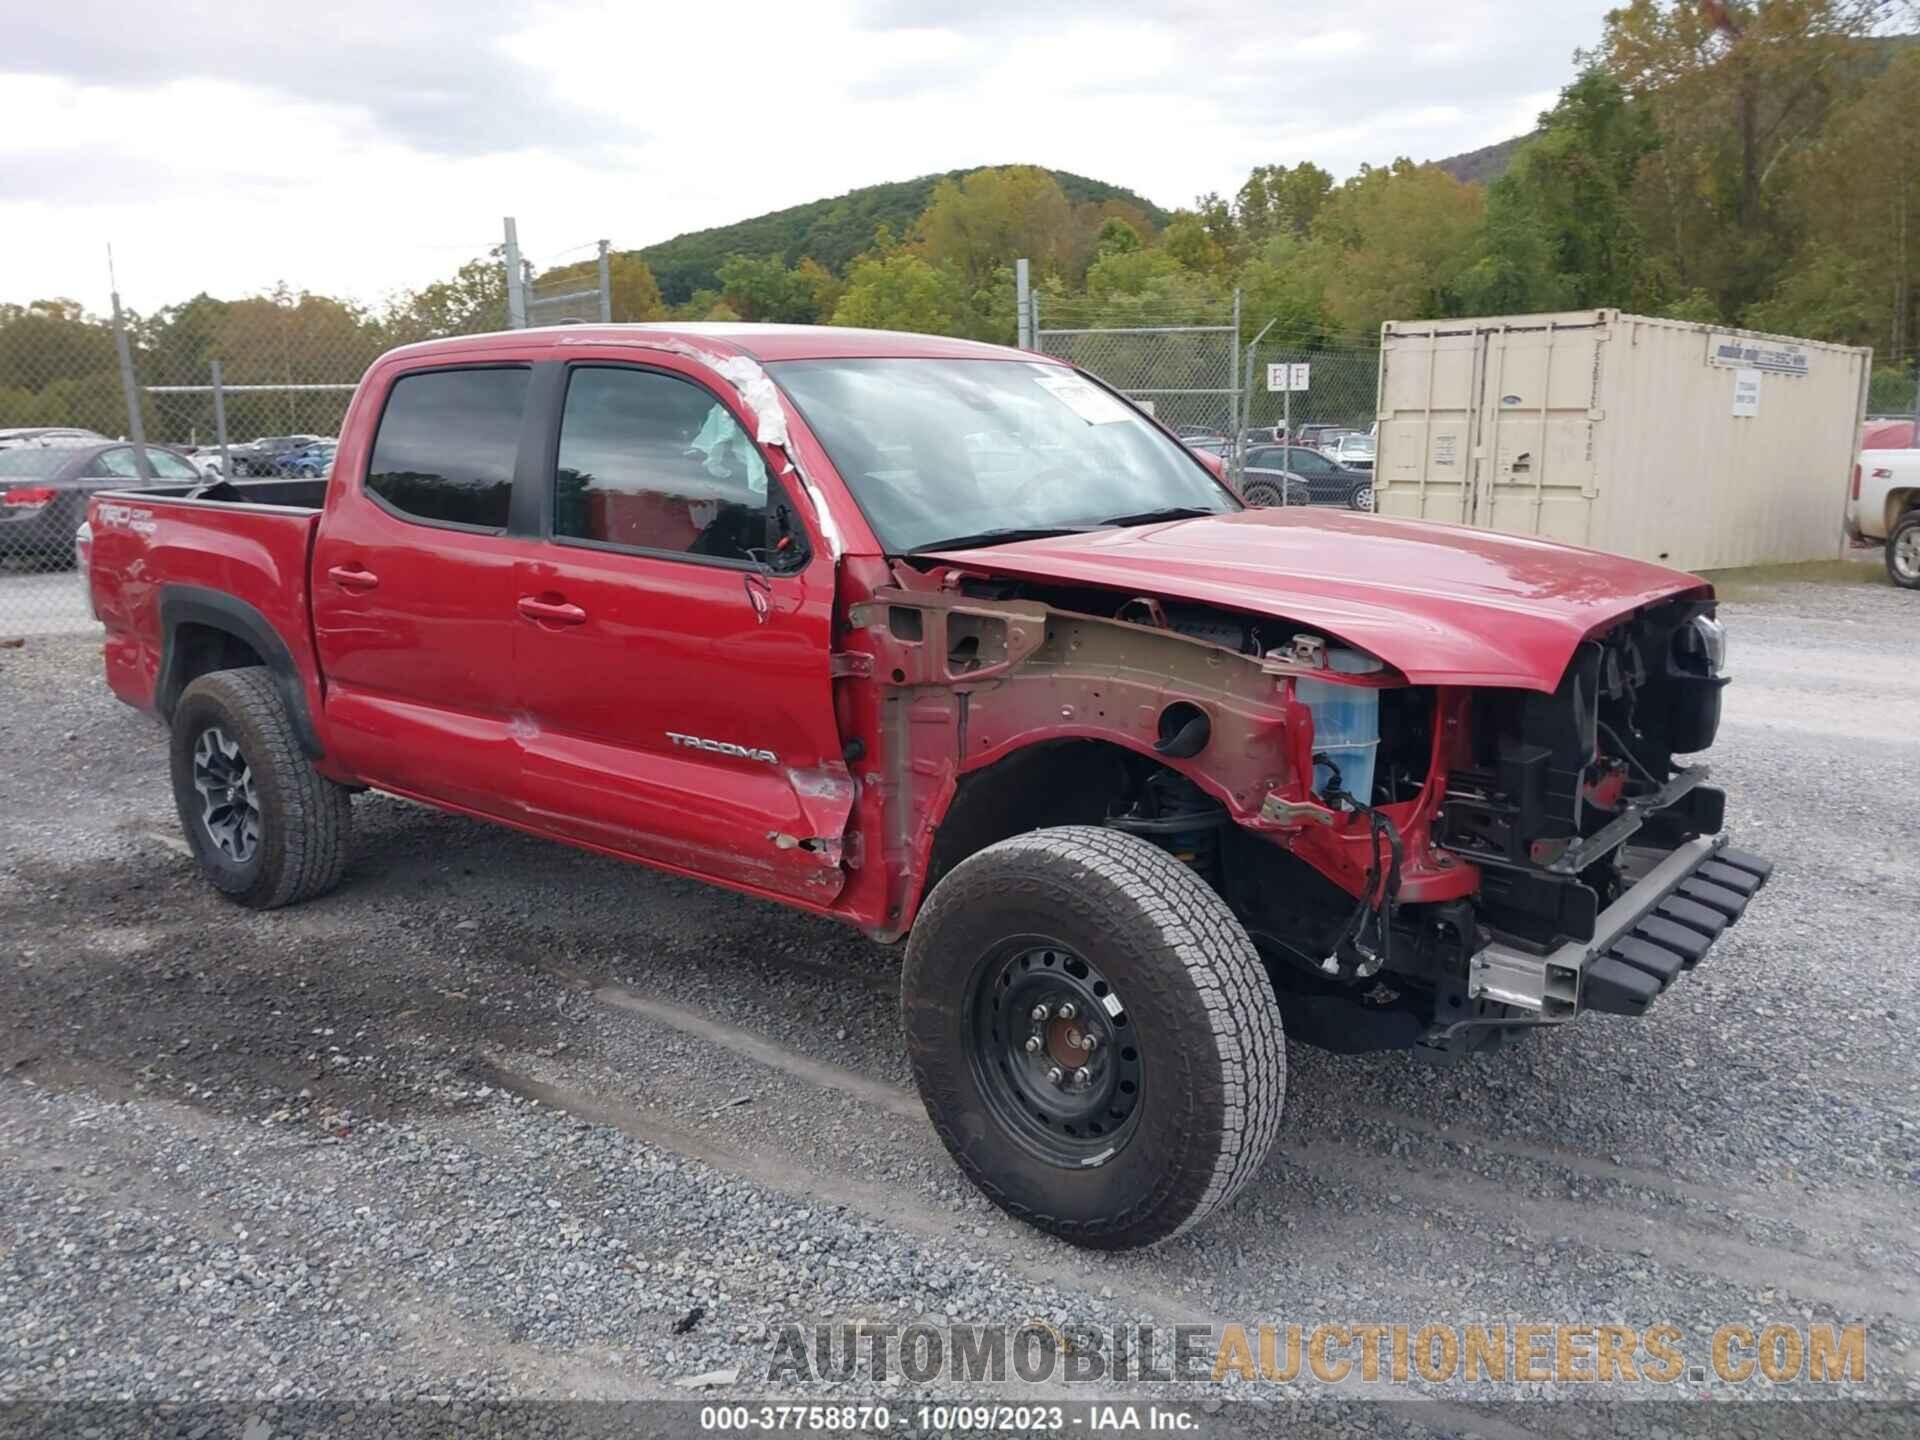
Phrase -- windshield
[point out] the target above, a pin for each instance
(951, 450)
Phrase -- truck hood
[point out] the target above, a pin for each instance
(1442, 604)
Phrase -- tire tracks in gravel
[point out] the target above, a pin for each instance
(789, 1175)
(1682, 1245)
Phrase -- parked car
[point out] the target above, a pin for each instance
(310, 461)
(1145, 778)
(44, 489)
(45, 435)
(267, 455)
(1327, 482)
(1355, 452)
(1315, 436)
(1883, 504)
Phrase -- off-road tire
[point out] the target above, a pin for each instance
(1903, 544)
(1196, 997)
(305, 819)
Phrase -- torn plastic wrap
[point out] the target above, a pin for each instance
(726, 452)
(757, 392)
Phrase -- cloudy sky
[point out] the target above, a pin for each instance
(364, 146)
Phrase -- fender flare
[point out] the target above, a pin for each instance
(196, 605)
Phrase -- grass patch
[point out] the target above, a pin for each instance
(1763, 582)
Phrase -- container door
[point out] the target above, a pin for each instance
(1429, 406)
(1534, 471)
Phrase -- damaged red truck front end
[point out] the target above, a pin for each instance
(1503, 869)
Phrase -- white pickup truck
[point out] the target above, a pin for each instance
(1885, 505)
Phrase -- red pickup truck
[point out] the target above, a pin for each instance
(953, 643)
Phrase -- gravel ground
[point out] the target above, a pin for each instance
(495, 1119)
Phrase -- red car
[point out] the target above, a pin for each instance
(953, 644)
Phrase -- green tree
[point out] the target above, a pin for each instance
(903, 291)
(1404, 236)
(994, 217)
(471, 302)
(1277, 200)
(1737, 88)
(1856, 195)
(1561, 226)
(1192, 244)
(765, 290)
(1116, 237)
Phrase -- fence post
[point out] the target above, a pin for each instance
(1022, 302)
(136, 427)
(606, 286)
(220, 422)
(1233, 384)
(516, 291)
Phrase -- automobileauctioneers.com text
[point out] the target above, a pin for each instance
(1329, 1355)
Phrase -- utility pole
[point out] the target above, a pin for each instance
(606, 286)
(516, 284)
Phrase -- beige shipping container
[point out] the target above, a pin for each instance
(1697, 446)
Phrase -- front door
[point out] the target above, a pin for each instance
(412, 578)
(672, 640)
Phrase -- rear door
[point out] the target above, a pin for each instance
(412, 586)
(673, 637)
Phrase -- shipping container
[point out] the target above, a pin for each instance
(1697, 446)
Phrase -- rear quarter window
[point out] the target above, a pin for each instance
(447, 444)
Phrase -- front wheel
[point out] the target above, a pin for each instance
(1903, 551)
(1361, 496)
(1093, 1036)
(267, 828)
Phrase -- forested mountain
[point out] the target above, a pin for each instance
(834, 230)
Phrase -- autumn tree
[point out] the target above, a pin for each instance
(992, 217)
(904, 291)
(1855, 193)
(1403, 236)
(1278, 200)
(1737, 87)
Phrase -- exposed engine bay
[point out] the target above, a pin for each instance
(1395, 830)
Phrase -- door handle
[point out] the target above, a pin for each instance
(352, 577)
(551, 612)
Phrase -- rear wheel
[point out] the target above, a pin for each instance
(1263, 493)
(1093, 1036)
(1903, 551)
(266, 827)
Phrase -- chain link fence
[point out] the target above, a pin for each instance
(1182, 364)
(219, 388)
(1296, 415)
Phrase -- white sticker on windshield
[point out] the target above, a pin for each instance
(1089, 402)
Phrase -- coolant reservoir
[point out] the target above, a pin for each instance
(1346, 724)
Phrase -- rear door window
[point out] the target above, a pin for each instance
(447, 445)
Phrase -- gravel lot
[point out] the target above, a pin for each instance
(491, 1119)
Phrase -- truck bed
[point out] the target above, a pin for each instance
(169, 557)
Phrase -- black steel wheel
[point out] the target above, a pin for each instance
(1052, 1052)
